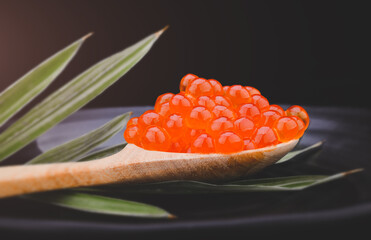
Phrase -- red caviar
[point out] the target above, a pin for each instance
(238, 95)
(228, 142)
(268, 118)
(203, 144)
(286, 128)
(223, 101)
(223, 111)
(206, 117)
(200, 87)
(186, 80)
(217, 87)
(132, 121)
(219, 125)
(174, 125)
(252, 90)
(299, 112)
(163, 109)
(248, 144)
(180, 104)
(198, 118)
(156, 138)
(132, 134)
(206, 101)
(148, 118)
(249, 110)
(261, 102)
(265, 136)
(277, 108)
(164, 98)
(244, 127)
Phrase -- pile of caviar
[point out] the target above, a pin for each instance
(206, 117)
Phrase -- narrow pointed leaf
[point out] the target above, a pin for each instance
(103, 153)
(100, 204)
(292, 183)
(72, 96)
(292, 155)
(16, 96)
(78, 147)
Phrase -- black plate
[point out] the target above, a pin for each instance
(342, 205)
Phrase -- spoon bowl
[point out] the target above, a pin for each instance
(136, 165)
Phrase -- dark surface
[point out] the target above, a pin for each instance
(339, 208)
(307, 52)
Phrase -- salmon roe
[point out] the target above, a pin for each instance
(286, 128)
(206, 117)
(186, 80)
(299, 112)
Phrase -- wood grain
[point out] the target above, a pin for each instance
(133, 165)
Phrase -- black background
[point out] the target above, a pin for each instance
(294, 52)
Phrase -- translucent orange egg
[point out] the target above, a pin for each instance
(179, 146)
(205, 101)
(265, 136)
(225, 89)
(156, 138)
(223, 101)
(198, 117)
(204, 143)
(248, 144)
(180, 104)
(191, 134)
(164, 98)
(148, 118)
(252, 90)
(132, 134)
(217, 86)
(190, 97)
(261, 102)
(286, 129)
(163, 109)
(299, 112)
(223, 111)
(301, 126)
(132, 121)
(238, 95)
(219, 125)
(174, 125)
(228, 142)
(277, 108)
(185, 81)
(244, 127)
(200, 87)
(249, 110)
(268, 118)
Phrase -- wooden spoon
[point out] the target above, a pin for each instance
(134, 165)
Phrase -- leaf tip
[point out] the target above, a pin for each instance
(352, 171)
(158, 34)
(171, 216)
(87, 36)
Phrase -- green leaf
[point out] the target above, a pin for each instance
(72, 96)
(292, 155)
(77, 148)
(16, 96)
(292, 183)
(100, 204)
(103, 153)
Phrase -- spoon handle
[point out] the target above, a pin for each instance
(17, 180)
